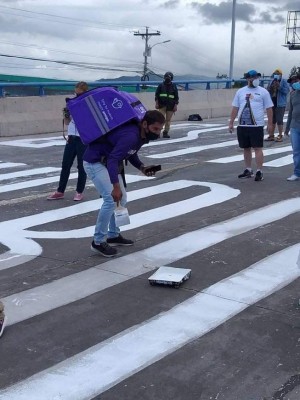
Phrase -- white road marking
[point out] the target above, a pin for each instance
(28, 172)
(54, 179)
(36, 143)
(65, 290)
(240, 157)
(280, 162)
(15, 235)
(194, 149)
(97, 369)
(4, 165)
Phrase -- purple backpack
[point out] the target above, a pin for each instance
(98, 111)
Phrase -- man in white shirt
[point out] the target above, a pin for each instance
(250, 104)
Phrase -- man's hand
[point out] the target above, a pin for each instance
(175, 108)
(230, 127)
(116, 193)
(156, 106)
(146, 170)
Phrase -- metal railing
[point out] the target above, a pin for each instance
(39, 88)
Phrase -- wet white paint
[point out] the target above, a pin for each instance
(15, 235)
(82, 284)
(97, 369)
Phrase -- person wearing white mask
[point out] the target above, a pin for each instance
(293, 125)
(250, 104)
(279, 90)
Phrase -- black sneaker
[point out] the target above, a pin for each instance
(166, 135)
(104, 249)
(119, 241)
(246, 174)
(259, 176)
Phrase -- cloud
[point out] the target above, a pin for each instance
(170, 4)
(246, 12)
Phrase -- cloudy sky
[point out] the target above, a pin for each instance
(95, 39)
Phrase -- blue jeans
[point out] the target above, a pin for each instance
(74, 147)
(106, 224)
(295, 140)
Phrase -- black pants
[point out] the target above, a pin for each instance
(74, 148)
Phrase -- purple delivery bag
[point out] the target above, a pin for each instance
(98, 111)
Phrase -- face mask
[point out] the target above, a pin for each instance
(277, 77)
(151, 136)
(255, 82)
(296, 85)
(168, 80)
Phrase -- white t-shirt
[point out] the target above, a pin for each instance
(252, 103)
(72, 130)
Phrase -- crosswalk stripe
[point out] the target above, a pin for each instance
(28, 172)
(97, 369)
(46, 297)
(240, 157)
(280, 162)
(4, 165)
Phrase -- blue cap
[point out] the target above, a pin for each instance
(252, 73)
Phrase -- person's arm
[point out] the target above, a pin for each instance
(289, 118)
(284, 87)
(176, 97)
(233, 114)
(157, 93)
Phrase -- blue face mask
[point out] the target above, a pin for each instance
(296, 85)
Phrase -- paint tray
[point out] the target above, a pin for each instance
(169, 276)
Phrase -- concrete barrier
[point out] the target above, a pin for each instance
(35, 115)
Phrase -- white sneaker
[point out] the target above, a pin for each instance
(293, 178)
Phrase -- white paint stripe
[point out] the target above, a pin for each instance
(4, 165)
(280, 162)
(218, 193)
(191, 135)
(59, 141)
(267, 152)
(35, 143)
(54, 294)
(97, 369)
(194, 149)
(45, 181)
(28, 172)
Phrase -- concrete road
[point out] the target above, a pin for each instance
(81, 326)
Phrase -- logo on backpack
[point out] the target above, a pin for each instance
(117, 103)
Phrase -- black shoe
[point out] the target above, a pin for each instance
(119, 241)
(166, 135)
(104, 249)
(246, 174)
(259, 176)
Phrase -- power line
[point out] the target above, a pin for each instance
(109, 26)
(93, 66)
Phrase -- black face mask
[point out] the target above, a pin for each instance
(168, 81)
(151, 136)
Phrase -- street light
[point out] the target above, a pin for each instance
(146, 54)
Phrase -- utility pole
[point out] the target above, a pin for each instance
(232, 41)
(146, 36)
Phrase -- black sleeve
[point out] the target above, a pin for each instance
(176, 96)
(157, 92)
